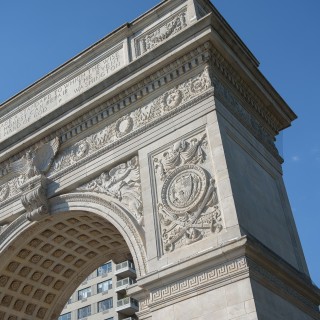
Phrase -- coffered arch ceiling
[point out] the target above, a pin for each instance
(44, 262)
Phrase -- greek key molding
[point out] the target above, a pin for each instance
(197, 281)
(121, 182)
(187, 202)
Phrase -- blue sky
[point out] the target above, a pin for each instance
(37, 36)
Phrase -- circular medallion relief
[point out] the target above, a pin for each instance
(173, 98)
(124, 125)
(184, 189)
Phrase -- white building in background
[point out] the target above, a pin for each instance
(102, 296)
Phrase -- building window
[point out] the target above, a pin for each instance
(104, 286)
(89, 277)
(66, 316)
(105, 304)
(84, 312)
(84, 293)
(104, 269)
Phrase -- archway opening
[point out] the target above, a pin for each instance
(48, 260)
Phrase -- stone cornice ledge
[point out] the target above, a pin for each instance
(234, 260)
(274, 265)
(199, 272)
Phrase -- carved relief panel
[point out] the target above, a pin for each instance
(161, 32)
(187, 202)
(121, 182)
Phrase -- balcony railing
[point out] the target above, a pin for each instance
(127, 306)
(124, 283)
(126, 268)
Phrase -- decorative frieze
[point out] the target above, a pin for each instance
(197, 281)
(120, 130)
(57, 96)
(161, 32)
(122, 183)
(131, 95)
(188, 207)
(134, 122)
(148, 114)
(204, 53)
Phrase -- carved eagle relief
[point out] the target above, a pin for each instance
(37, 161)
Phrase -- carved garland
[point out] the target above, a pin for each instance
(170, 27)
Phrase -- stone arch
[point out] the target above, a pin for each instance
(43, 262)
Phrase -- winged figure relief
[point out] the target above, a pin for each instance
(38, 161)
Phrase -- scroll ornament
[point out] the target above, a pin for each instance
(122, 183)
(32, 169)
(189, 209)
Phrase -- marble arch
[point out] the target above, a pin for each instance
(158, 141)
(44, 262)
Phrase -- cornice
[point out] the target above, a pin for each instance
(243, 257)
(144, 88)
(138, 95)
(272, 271)
(124, 99)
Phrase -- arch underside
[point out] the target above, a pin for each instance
(45, 262)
